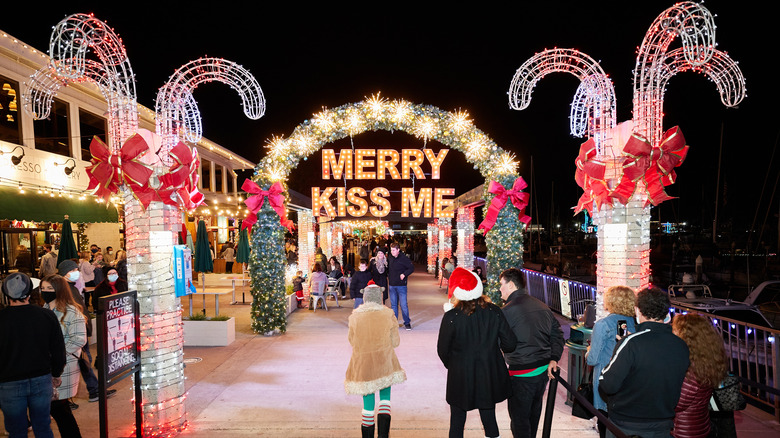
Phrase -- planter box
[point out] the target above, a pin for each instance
(209, 333)
(292, 304)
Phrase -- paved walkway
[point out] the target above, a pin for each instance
(291, 385)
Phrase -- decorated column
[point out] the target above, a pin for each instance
(433, 246)
(445, 240)
(465, 230)
(623, 174)
(306, 245)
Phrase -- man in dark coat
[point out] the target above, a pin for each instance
(32, 358)
(399, 268)
(539, 348)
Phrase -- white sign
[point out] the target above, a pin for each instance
(43, 168)
(563, 286)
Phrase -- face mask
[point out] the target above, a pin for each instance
(74, 276)
(112, 278)
(48, 296)
(94, 250)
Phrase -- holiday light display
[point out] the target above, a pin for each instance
(305, 241)
(152, 218)
(444, 225)
(465, 230)
(624, 168)
(433, 246)
(453, 130)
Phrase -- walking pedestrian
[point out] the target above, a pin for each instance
(399, 268)
(373, 366)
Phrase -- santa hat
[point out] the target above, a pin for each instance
(464, 285)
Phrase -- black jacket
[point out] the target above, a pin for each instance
(359, 282)
(643, 379)
(468, 346)
(539, 335)
(397, 266)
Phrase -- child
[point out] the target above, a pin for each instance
(298, 288)
(359, 281)
(373, 334)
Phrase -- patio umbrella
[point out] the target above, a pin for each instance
(68, 248)
(243, 248)
(203, 262)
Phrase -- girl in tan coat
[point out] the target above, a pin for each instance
(373, 334)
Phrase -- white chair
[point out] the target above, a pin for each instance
(318, 294)
(334, 288)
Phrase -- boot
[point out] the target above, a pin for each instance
(383, 422)
(368, 431)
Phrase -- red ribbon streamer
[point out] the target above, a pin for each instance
(183, 176)
(254, 203)
(655, 166)
(108, 171)
(590, 176)
(515, 194)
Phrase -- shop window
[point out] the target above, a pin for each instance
(53, 134)
(90, 126)
(10, 126)
(231, 182)
(205, 173)
(218, 172)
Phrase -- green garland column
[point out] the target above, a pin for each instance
(504, 242)
(266, 268)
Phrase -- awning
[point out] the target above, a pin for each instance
(34, 206)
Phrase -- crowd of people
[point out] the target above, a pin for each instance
(653, 375)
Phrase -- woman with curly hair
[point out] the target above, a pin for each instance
(619, 302)
(708, 368)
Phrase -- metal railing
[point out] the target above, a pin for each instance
(752, 349)
(547, 288)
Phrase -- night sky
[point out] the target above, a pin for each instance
(306, 58)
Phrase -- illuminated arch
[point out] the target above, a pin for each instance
(451, 129)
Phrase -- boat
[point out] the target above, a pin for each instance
(761, 307)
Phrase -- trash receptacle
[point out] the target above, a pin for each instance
(577, 344)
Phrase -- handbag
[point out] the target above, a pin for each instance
(585, 389)
(727, 396)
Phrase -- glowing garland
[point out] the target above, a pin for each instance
(454, 130)
(433, 246)
(465, 230)
(445, 240)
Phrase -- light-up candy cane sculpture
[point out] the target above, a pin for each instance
(150, 231)
(623, 169)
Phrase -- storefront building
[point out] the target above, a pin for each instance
(43, 168)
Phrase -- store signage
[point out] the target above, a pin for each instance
(42, 168)
(382, 164)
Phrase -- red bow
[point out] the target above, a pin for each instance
(654, 165)
(108, 171)
(590, 176)
(518, 197)
(183, 176)
(275, 195)
(147, 195)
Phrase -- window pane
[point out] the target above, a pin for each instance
(52, 134)
(218, 178)
(230, 183)
(90, 126)
(205, 173)
(10, 128)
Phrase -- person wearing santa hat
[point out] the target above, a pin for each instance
(472, 335)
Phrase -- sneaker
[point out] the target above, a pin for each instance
(408, 326)
(95, 397)
(73, 406)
